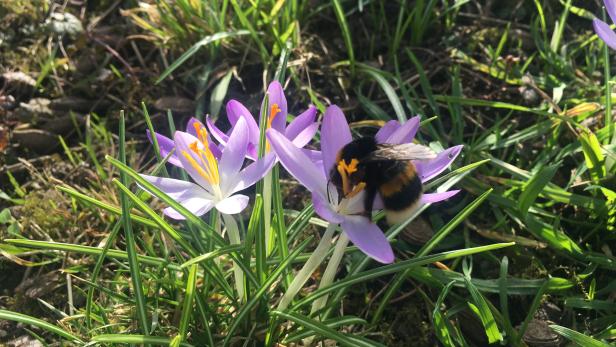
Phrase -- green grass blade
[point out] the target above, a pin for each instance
(273, 277)
(212, 255)
(389, 91)
(187, 307)
(177, 237)
(219, 93)
(131, 249)
(346, 33)
(25, 319)
(129, 339)
(535, 186)
(579, 338)
(397, 267)
(323, 330)
(192, 50)
(442, 326)
(112, 253)
(425, 249)
(481, 308)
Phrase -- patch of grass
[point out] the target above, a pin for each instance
(524, 86)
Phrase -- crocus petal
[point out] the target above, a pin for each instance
(177, 189)
(296, 162)
(254, 172)
(355, 205)
(235, 151)
(233, 204)
(315, 156)
(335, 133)
(304, 137)
(325, 210)
(430, 198)
(368, 238)
(165, 146)
(300, 122)
(218, 134)
(197, 206)
(182, 144)
(235, 111)
(610, 6)
(428, 169)
(252, 152)
(386, 131)
(191, 128)
(276, 96)
(405, 133)
(605, 33)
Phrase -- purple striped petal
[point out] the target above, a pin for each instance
(197, 206)
(405, 133)
(235, 151)
(165, 146)
(610, 6)
(323, 208)
(300, 122)
(190, 126)
(430, 198)
(335, 133)
(297, 163)
(235, 111)
(304, 137)
(368, 238)
(386, 130)
(177, 189)
(604, 32)
(218, 134)
(233, 204)
(254, 172)
(276, 96)
(428, 169)
(252, 152)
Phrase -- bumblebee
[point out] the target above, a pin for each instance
(386, 169)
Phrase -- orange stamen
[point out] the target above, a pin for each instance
(274, 110)
(345, 170)
(356, 190)
(208, 166)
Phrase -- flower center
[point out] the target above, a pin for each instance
(274, 111)
(207, 166)
(345, 170)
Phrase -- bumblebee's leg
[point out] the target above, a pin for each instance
(369, 200)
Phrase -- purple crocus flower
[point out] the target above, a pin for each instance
(335, 133)
(217, 179)
(167, 145)
(603, 29)
(300, 131)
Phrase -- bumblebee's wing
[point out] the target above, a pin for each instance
(406, 151)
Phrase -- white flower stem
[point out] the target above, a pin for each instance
(234, 238)
(313, 262)
(330, 271)
(267, 211)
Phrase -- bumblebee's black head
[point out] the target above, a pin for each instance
(357, 149)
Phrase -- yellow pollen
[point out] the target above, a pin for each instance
(345, 170)
(207, 166)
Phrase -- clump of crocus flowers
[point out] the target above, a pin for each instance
(220, 174)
